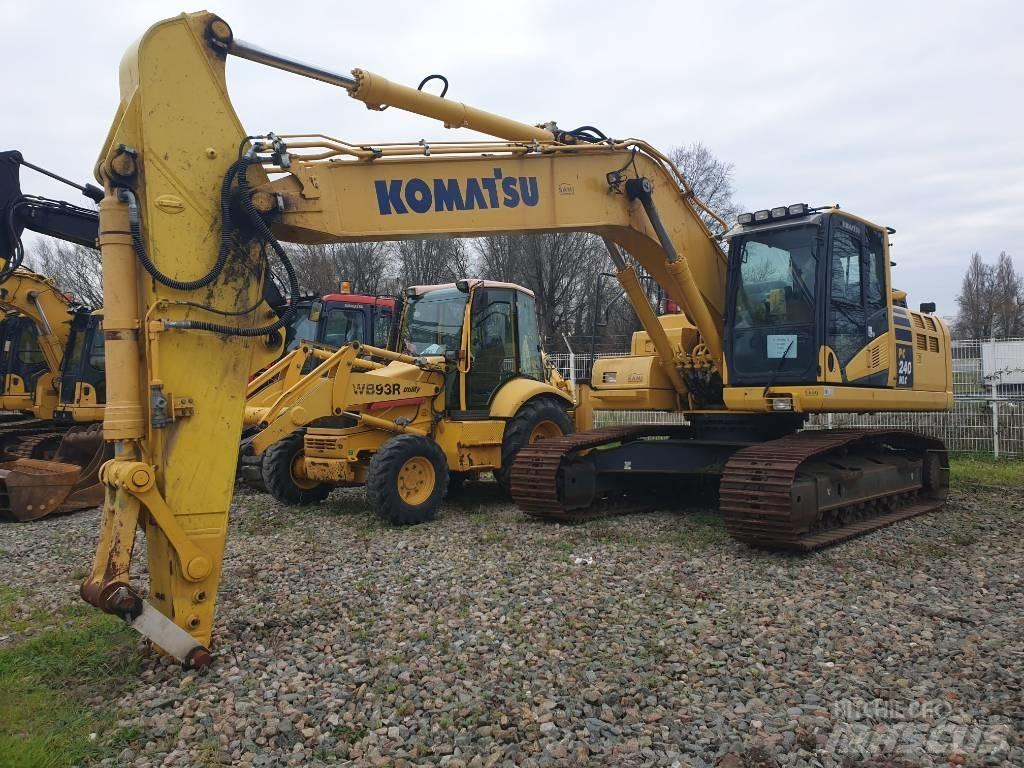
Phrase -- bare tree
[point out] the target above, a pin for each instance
(75, 268)
(711, 180)
(1007, 299)
(560, 268)
(429, 261)
(500, 256)
(368, 267)
(976, 319)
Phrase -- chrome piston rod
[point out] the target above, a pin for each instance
(244, 50)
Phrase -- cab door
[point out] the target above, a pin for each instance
(492, 345)
(26, 356)
(857, 310)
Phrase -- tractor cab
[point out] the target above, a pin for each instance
(808, 290)
(487, 328)
(340, 318)
(83, 387)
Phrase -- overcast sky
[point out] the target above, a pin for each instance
(908, 113)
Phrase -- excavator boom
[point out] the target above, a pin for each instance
(194, 203)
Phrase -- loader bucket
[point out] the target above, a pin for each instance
(33, 488)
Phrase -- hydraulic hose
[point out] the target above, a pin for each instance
(238, 170)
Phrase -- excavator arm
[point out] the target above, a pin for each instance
(187, 219)
(193, 205)
(55, 218)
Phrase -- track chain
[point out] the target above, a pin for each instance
(755, 491)
(535, 482)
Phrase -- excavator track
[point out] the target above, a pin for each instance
(799, 492)
(763, 488)
(30, 446)
(535, 481)
(22, 438)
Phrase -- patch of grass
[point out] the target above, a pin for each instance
(45, 686)
(9, 621)
(967, 469)
(350, 733)
(697, 530)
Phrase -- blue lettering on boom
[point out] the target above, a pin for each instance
(420, 196)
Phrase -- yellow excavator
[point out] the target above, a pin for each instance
(49, 463)
(467, 390)
(796, 317)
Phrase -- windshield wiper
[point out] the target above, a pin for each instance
(778, 369)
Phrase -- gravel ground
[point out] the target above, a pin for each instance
(486, 639)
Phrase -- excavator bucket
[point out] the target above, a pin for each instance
(33, 488)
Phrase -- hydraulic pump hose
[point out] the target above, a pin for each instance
(237, 170)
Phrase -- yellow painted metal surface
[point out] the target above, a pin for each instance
(176, 116)
(471, 445)
(515, 392)
(834, 398)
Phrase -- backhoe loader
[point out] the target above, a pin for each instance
(467, 390)
(796, 317)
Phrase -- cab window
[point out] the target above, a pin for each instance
(98, 351)
(847, 326)
(301, 330)
(382, 323)
(344, 326)
(531, 361)
(776, 286)
(29, 351)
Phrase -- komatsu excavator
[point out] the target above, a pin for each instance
(797, 317)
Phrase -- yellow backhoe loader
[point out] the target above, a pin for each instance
(796, 317)
(466, 392)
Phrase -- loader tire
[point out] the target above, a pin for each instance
(282, 476)
(406, 480)
(536, 420)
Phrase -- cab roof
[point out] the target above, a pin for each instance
(474, 282)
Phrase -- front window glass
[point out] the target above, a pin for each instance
(71, 360)
(433, 322)
(29, 351)
(776, 279)
(344, 326)
(98, 351)
(301, 330)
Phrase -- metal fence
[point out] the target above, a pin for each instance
(987, 415)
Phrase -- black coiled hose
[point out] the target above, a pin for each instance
(135, 223)
(238, 170)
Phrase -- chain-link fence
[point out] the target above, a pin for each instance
(987, 415)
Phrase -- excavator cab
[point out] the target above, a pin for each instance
(810, 303)
(21, 361)
(83, 386)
